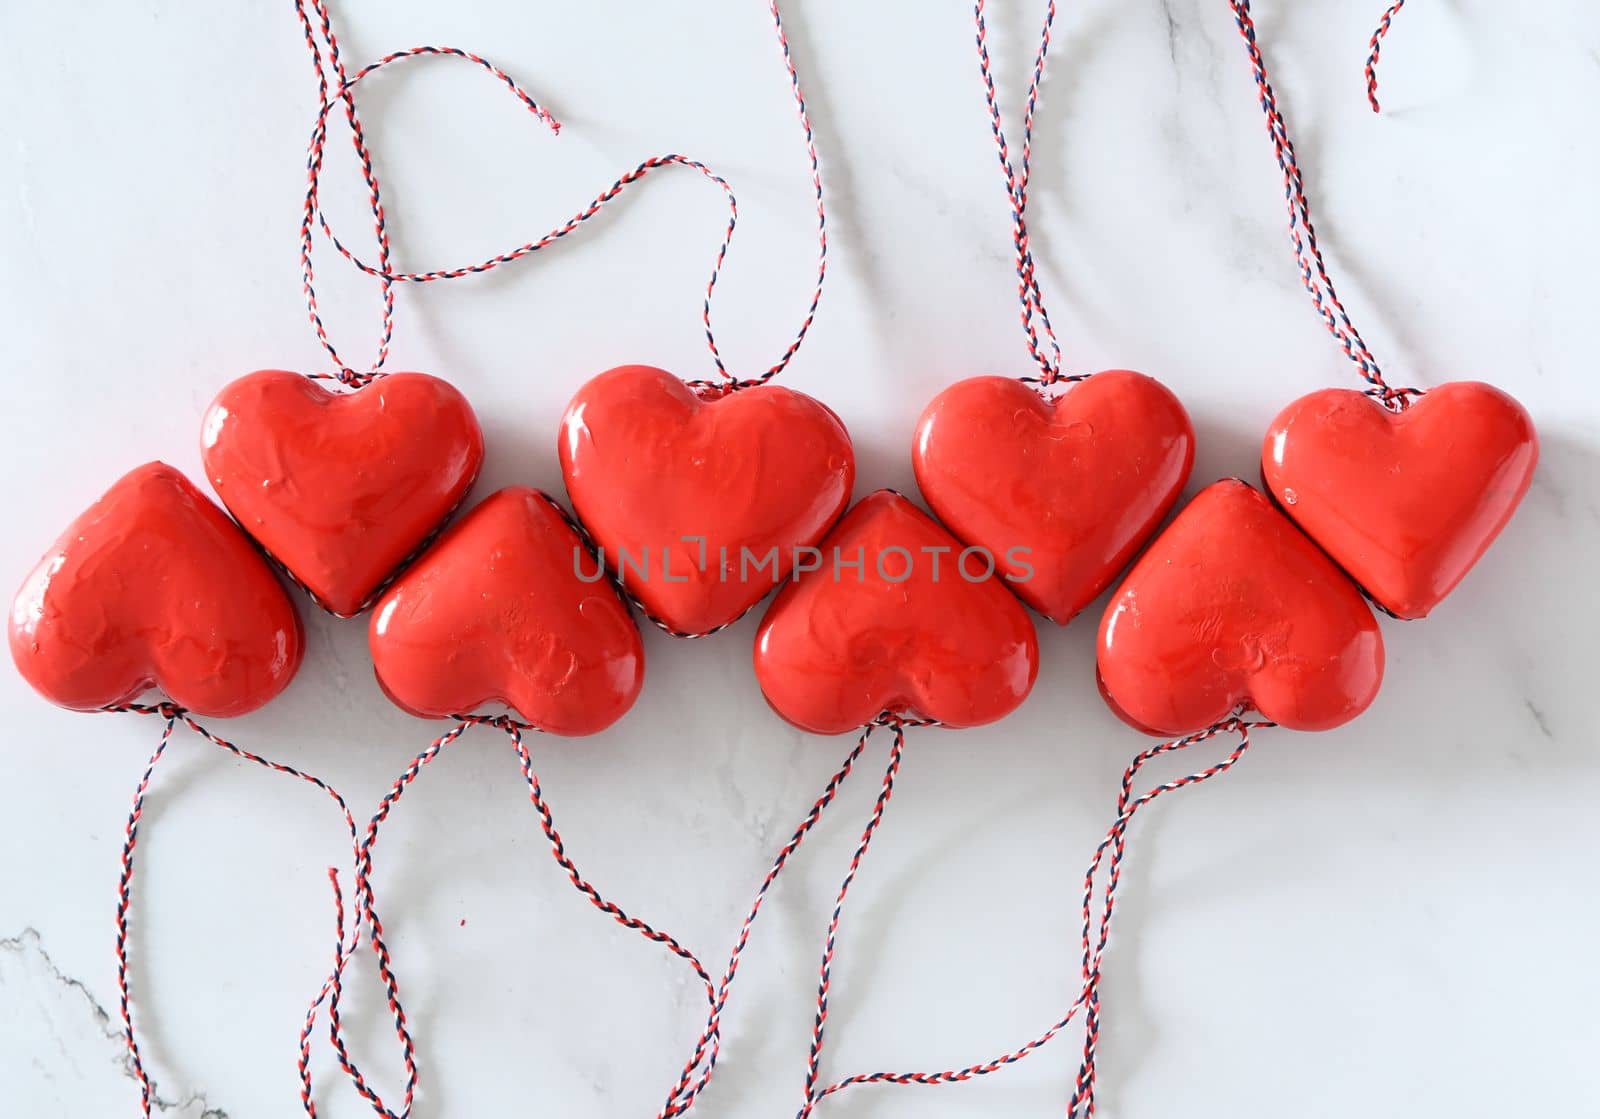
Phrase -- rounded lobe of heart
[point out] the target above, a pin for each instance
(842, 644)
(508, 606)
(1233, 606)
(154, 587)
(1080, 480)
(700, 504)
(1406, 502)
(341, 488)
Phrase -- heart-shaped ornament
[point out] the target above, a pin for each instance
(154, 587)
(508, 606)
(1070, 485)
(1405, 501)
(1233, 606)
(699, 502)
(894, 615)
(341, 488)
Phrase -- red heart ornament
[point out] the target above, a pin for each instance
(687, 495)
(1233, 606)
(1406, 502)
(1077, 482)
(341, 488)
(508, 606)
(893, 617)
(154, 587)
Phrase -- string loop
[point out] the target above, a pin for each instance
(708, 1047)
(1081, 1105)
(825, 975)
(1110, 852)
(367, 914)
(323, 62)
(172, 715)
(1303, 233)
(387, 275)
(1016, 178)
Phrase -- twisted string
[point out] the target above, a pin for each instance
(323, 62)
(366, 915)
(1303, 234)
(1081, 1105)
(387, 276)
(825, 976)
(332, 991)
(172, 714)
(1375, 47)
(124, 900)
(708, 1046)
(1016, 180)
(1114, 845)
(707, 1049)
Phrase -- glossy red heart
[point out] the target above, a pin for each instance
(895, 617)
(508, 606)
(752, 473)
(341, 488)
(1406, 502)
(1232, 605)
(1078, 481)
(154, 587)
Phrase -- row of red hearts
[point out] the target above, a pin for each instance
(1240, 603)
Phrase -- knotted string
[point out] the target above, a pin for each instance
(172, 714)
(1375, 47)
(1016, 179)
(1111, 851)
(387, 276)
(1303, 234)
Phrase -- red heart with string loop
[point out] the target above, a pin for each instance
(1079, 480)
(893, 617)
(508, 606)
(1405, 501)
(154, 587)
(341, 488)
(699, 501)
(1231, 607)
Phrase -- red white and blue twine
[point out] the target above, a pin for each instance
(342, 89)
(172, 714)
(1114, 845)
(1016, 179)
(1375, 48)
(1302, 232)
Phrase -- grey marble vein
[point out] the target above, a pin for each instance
(73, 1049)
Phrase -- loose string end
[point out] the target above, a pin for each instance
(1375, 48)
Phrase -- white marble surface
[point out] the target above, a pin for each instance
(1396, 918)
